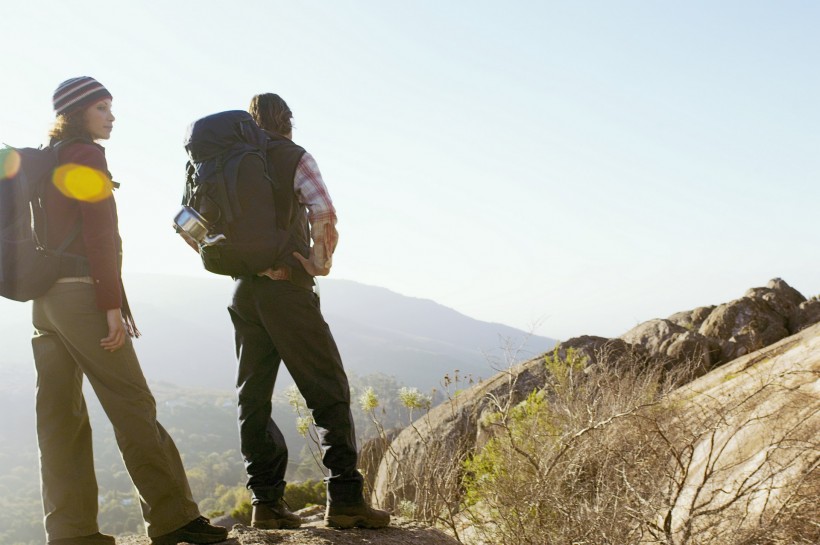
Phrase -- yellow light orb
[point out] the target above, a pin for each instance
(9, 163)
(82, 183)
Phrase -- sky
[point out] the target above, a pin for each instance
(564, 167)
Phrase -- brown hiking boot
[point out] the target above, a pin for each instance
(274, 516)
(199, 531)
(93, 539)
(359, 515)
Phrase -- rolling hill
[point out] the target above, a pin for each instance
(188, 339)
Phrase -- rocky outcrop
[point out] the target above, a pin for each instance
(805, 315)
(595, 349)
(709, 336)
(400, 532)
(743, 326)
(691, 319)
(754, 425)
(779, 296)
(434, 444)
(674, 344)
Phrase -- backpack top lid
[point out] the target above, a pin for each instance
(219, 142)
(214, 135)
(216, 145)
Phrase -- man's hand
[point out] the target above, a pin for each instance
(279, 273)
(116, 330)
(311, 266)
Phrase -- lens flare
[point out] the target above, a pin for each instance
(82, 183)
(9, 163)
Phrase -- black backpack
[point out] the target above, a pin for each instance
(216, 146)
(27, 267)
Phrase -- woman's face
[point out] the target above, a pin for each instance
(99, 120)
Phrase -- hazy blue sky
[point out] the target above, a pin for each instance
(580, 165)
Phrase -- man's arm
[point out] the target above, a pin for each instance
(313, 194)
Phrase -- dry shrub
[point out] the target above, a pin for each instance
(427, 485)
(600, 456)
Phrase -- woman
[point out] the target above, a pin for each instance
(83, 328)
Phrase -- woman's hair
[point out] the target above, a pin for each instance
(271, 113)
(70, 125)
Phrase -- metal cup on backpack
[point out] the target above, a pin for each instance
(197, 227)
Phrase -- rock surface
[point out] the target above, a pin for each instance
(769, 408)
(691, 319)
(400, 532)
(714, 335)
(674, 344)
(711, 336)
(743, 326)
(805, 315)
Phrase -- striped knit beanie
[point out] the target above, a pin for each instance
(77, 93)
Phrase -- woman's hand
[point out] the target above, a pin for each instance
(116, 330)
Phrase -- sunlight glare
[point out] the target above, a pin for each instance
(9, 163)
(82, 183)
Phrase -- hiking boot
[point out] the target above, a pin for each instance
(199, 531)
(359, 515)
(274, 516)
(93, 539)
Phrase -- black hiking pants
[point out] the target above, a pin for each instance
(275, 321)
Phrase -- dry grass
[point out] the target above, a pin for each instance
(601, 456)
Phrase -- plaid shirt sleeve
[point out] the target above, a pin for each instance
(312, 193)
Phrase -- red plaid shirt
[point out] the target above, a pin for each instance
(312, 193)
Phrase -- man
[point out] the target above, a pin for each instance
(276, 318)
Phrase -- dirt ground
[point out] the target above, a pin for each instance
(400, 532)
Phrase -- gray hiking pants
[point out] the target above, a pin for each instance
(66, 343)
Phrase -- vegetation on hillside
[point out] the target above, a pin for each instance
(203, 425)
(599, 454)
(605, 454)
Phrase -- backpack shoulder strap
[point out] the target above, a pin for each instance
(229, 206)
(228, 175)
(70, 238)
(75, 231)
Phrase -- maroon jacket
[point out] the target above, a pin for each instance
(99, 240)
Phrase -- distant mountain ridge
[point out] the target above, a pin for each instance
(421, 337)
(188, 338)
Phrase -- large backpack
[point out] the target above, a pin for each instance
(28, 268)
(216, 146)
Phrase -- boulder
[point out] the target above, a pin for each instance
(371, 453)
(693, 348)
(781, 297)
(434, 446)
(436, 443)
(805, 315)
(672, 344)
(691, 319)
(753, 426)
(743, 326)
(595, 349)
(654, 335)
